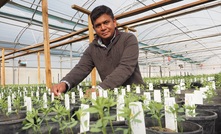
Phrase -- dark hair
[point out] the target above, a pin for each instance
(100, 10)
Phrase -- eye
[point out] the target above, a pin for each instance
(106, 22)
(97, 26)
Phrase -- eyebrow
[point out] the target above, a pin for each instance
(104, 22)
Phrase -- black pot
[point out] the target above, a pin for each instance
(179, 101)
(12, 124)
(206, 119)
(186, 127)
(74, 107)
(170, 86)
(55, 129)
(110, 131)
(214, 106)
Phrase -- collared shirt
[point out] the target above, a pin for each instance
(99, 40)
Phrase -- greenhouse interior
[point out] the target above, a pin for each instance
(158, 72)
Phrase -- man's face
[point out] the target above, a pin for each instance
(104, 26)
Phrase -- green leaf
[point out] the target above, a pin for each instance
(126, 131)
(85, 123)
(27, 126)
(109, 118)
(54, 120)
(31, 120)
(63, 127)
(136, 120)
(72, 124)
(92, 110)
(105, 122)
(119, 129)
(99, 123)
(96, 130)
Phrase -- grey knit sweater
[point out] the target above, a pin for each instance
(116, 64)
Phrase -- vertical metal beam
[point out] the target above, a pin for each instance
(46, 43)
(71, 56)
(18, 73)
(91, 38)
(161, 75)
(169, 72)
(13, 70)
(60, 67)
(39, 71)
(146, 64)
(149, 71)
(163, 69)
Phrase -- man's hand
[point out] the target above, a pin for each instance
(89, 92)
(59, 88)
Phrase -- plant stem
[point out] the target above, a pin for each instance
(69, 118)
(102, 119)
(129, 127)
(111, 124)
(39, 129)
(160, 124)
(48, 127)
(62, 131)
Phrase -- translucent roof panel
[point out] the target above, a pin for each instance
(190, 34)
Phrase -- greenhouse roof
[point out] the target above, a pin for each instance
(180, 30)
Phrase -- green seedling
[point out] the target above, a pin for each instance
(63, 118)
(32, 121)
(175, 110)
(191, 110)
(126, 112)
(102, 106)
(155, 110)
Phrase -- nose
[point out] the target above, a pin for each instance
(103, 27)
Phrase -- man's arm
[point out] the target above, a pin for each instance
(80, 71)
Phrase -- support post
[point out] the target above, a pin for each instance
(61, 67)
(71, 56)
(91, 37)
(46, 43)
(3, 68)
(149, 71)
(39, 71)
(146, 64)
(13, 70)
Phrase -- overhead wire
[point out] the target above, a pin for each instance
(25, 28)
(177, 27)
(65, 46)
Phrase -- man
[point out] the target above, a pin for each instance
(113, 53)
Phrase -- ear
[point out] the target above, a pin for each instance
(115, 22)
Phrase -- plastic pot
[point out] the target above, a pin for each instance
(215, 106)
(12, 124)
(206, 119)
(54, 126)
(109, 130)
(185, 127)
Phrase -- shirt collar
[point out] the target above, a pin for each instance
(103, 45)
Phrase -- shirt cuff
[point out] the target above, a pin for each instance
(99, 87)
(67, 83)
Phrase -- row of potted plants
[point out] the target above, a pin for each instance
(68, 120)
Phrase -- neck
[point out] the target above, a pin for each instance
(106, 42)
